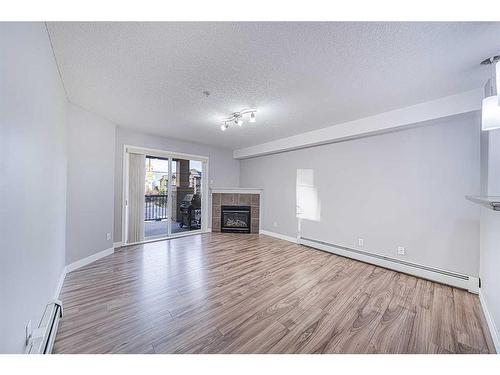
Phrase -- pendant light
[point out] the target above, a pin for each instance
(498, 79)
(490, 113)
(490, 117)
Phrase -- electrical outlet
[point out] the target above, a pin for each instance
(28, 331)
(401, 250)
(108, 236)
(361, 242)
(275, 224)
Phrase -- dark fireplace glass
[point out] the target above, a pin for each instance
(235, 219)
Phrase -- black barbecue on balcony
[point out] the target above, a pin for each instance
(190, 211)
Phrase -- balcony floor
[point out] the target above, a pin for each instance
(159, 228)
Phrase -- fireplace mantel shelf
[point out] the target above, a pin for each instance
(236, 190)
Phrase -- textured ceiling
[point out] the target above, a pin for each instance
(300, 76)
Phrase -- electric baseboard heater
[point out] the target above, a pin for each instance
(42, 339)
(455, 279)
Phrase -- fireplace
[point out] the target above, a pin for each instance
(239, 198)
(235, 219)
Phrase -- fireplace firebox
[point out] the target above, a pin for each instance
(235, 219)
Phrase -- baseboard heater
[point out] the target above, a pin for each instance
(42, 339)
(458, 280)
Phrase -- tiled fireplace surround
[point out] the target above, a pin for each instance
(236, 199)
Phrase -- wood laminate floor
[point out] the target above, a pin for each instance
(230, 293)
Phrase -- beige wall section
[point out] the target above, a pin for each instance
(90, 203)
(404, 188)
(490, 236)
(33, 179)
(223, 169)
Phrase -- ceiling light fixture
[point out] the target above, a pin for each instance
(490, 118)
(238, 117)
(498, 78)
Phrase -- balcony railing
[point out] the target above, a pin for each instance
(155, 207)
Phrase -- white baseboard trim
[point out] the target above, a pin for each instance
(79, 263)
(279, 235)
(491, 323)
(92, 258)
(60, 283)
(455, 279)
(117, 244)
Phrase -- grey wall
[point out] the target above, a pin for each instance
(33, 179)
(490, 235)
(223, 169)
(90, 203)
(403, 188)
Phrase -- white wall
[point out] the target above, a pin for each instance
(404, 188)
(223, 169)
(490, 236)
(90, 203)
(32, 179)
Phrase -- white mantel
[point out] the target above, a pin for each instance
(235, 190)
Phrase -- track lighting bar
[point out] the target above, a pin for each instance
(237, 118)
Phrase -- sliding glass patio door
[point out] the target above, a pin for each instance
(186, 186)
(174, 197)
(156, 209)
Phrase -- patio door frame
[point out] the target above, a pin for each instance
(127, 149)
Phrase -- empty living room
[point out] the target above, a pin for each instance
(194, 180)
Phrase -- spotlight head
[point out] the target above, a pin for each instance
(223, 127)
(239, 121)
(252, 117)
